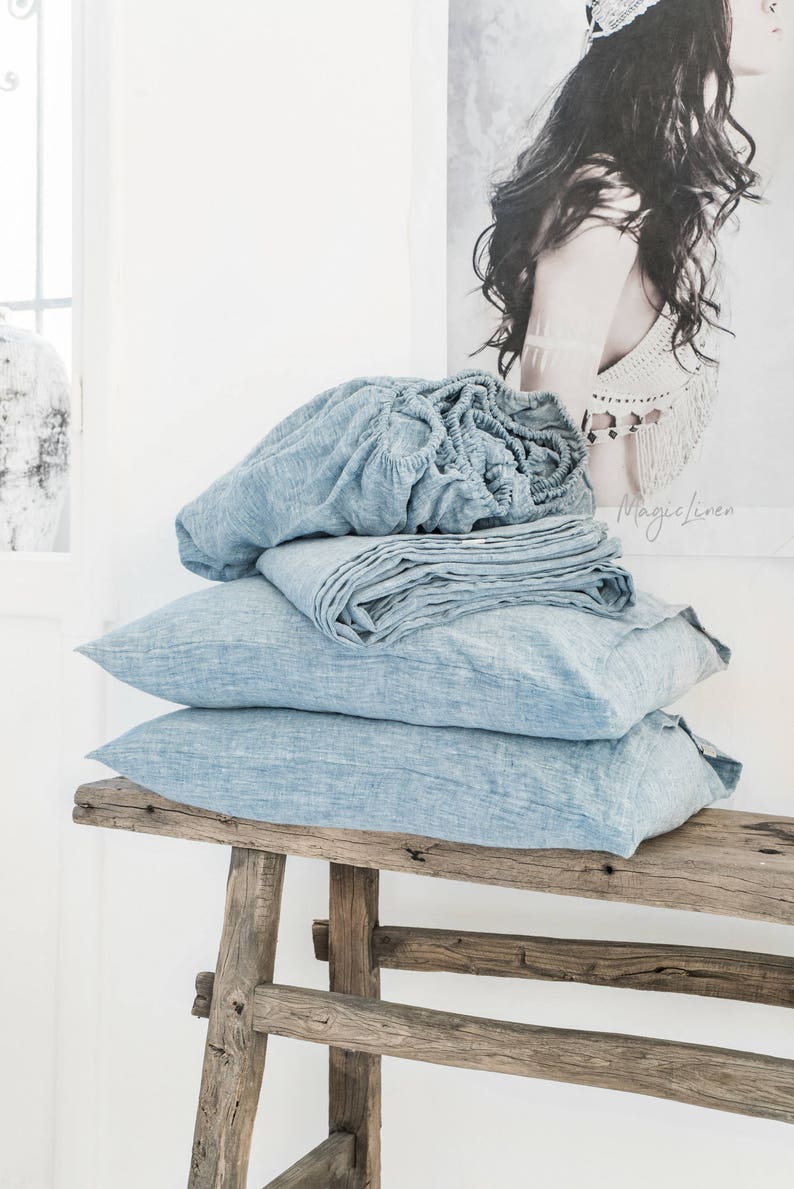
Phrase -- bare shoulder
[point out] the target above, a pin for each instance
(601, 248)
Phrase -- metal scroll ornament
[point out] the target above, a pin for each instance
(22, 9)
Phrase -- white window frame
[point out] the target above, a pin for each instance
(76, 586)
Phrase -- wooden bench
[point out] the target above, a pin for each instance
(730, 863)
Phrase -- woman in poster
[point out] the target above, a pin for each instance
(602, 252)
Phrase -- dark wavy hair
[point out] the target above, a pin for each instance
(632, 113)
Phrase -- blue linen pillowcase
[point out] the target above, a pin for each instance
(555, 672)
(295, 767)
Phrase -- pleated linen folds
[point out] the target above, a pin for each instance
(365, 591)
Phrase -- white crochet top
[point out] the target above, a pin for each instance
(678, 388)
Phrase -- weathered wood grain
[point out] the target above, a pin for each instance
(354, 1078)
(687, 970)
(723, 1079)
(321, 1167)
(205, 981)
(720, 861)
(234, 1054)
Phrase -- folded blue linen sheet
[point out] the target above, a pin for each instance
(384, 454)
(525, 670)
(365, 591)
(310, 769)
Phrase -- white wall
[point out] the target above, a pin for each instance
(254, 225)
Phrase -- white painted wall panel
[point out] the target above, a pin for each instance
(30, 735)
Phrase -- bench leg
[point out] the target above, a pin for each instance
(354, 1078)
(234, 1056)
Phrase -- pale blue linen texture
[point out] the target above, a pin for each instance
(365, 591)
(312, 769)
(528, 670)
(380, 455)
(421, 629)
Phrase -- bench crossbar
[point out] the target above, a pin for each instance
(724, 1079)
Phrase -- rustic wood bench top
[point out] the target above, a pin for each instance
(721, 861)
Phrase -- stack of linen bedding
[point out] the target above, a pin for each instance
(417, 625)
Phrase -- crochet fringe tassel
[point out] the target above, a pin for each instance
(664, 447)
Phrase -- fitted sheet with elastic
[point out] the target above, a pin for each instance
(377, 455)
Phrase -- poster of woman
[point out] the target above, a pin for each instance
(620, 177)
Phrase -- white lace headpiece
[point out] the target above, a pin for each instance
(608, 16)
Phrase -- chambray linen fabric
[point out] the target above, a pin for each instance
(527, 670)
(312, 769)
(381, 455)
(364, 591)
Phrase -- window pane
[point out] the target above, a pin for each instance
(57, 327)
(22, 318)
(57, 148)
(18, 138)
(36, 252)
